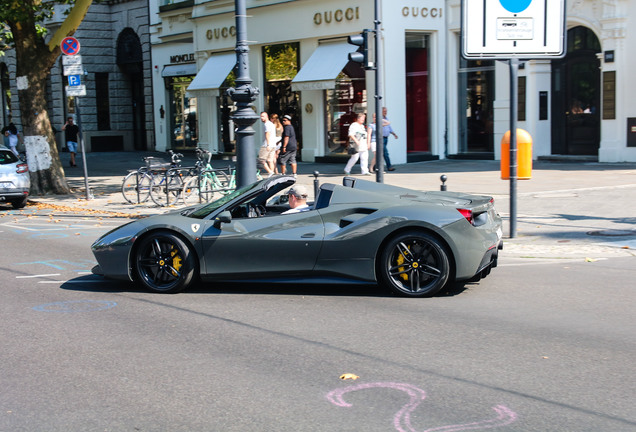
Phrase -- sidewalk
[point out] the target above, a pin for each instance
(567, 209)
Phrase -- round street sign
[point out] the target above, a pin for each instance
(70, 46)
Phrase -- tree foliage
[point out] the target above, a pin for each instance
(281, 62)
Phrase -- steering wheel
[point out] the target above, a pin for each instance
(256, 210)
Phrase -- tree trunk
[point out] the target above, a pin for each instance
(33, 64)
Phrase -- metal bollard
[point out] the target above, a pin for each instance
(316, 185)
(443, 178)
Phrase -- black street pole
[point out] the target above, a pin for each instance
(379, 136)
(243, 95)
(514, 72)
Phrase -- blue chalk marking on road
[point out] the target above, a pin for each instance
(75, 306)
(48, 235)
(515, 6)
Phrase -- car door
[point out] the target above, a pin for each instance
(270, 245)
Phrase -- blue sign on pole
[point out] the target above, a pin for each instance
(74, 80)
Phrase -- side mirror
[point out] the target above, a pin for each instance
(223, 217)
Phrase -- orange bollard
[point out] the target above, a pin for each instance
(524, 155)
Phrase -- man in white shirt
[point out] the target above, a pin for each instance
(267, 152)
(297, 199)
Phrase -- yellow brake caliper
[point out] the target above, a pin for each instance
(400, 260)
(176, 261)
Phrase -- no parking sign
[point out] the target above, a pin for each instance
(70, 46)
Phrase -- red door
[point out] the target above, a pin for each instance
(417, 122)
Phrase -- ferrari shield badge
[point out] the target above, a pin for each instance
(195, 227)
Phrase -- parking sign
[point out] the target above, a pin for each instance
(74, 80)
(500, 29)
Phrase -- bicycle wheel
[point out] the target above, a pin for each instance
(136, 187)
(190, 194)
(166, 188)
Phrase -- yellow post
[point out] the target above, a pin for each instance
(524, 155)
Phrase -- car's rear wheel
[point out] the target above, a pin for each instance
(414, 264)
(164, 263)
(19, 203)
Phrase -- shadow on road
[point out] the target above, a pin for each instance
(92, 283)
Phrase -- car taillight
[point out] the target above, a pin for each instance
(468, 214)
(22, 168)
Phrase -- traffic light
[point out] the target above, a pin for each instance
(360, 40)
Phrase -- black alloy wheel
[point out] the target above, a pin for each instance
(414, 264)
(164, 263)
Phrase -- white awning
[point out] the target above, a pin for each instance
(322, 68)
(175, 70)
(212, 74)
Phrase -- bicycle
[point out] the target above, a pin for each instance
(136, 185)
(166, 186)
(206, 182)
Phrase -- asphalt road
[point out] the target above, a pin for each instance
(540, 345)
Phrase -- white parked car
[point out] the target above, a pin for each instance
(15, 181)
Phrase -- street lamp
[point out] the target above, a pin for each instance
(243, 96)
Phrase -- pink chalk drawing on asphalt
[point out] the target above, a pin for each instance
(402, 418)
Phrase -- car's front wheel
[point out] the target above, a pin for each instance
(414, 264)
(164, 263)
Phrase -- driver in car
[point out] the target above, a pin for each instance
(297, 199)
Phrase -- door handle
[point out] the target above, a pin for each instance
(308, 235)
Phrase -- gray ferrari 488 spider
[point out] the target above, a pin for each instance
(411, 242)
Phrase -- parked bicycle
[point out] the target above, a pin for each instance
(148, 181)
(167, 186)
(206, 183)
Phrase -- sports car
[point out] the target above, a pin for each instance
(408, 241)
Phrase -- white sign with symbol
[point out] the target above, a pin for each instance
(525, 29)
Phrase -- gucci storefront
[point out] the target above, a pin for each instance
(439, 104)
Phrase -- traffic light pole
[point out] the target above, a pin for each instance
(379, 139)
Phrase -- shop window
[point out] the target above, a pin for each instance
(183, 114)
(102, 100)
(417, 93)
(343, 104)
(476, 80)
(281, 64)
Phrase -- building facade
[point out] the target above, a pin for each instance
(116, 112)
(440, 105)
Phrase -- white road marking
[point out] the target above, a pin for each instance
(37, 276)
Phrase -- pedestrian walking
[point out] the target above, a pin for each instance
(358, 146)
(289, 146)
(267, 152)
(71, 131)
(387, 130)
(279, 137)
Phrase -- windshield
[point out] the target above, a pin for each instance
(203, 212)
